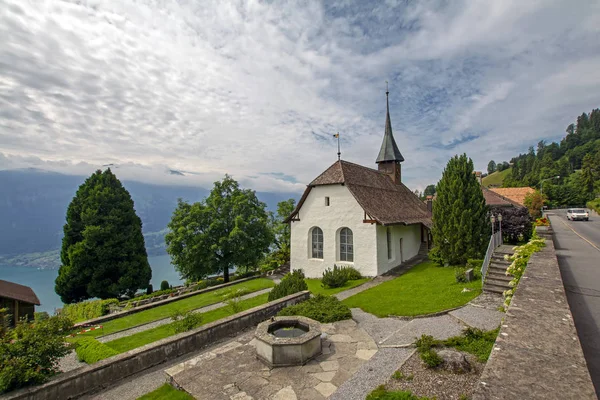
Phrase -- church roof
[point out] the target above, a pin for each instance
(494, 199)
(389, 149)
(384, 201)
(516, 194)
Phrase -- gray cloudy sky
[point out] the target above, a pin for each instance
(256, 89)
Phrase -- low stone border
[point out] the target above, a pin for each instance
(104, 373)
(537, 354)
(108, 317)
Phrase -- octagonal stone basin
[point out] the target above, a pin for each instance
(287, 341)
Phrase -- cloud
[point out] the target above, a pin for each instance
(257, 89)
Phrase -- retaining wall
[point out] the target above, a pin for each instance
(138, 309)
(91, 378)
(537, 354)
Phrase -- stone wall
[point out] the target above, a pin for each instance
(537, 354)
(90, 378)
(105, 318)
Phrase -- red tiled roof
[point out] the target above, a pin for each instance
(516, 194)
(494, 199)
(383, 200)
(18, 292)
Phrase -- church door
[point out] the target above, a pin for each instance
(401, 257)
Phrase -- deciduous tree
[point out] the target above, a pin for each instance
(230, 228)
(461, 226)
(491, 168)
(103, 253)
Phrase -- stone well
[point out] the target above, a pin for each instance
(287, 341)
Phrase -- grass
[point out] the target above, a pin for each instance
(160, 332)
(381, 393)
(424, 289)
(188, 304)
(475, 341)
(314, 286)
(496, 179)
(165, 392)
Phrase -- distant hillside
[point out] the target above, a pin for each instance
(496, 179)
(33, 204)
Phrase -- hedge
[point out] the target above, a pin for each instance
(89, 350)
(88, 309)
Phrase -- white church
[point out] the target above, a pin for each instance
(359, 216)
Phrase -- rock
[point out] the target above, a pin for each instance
(454, 361)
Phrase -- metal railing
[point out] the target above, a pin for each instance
(495, 242)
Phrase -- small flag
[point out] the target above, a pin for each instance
(337, 135)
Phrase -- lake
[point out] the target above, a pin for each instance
(42, 280)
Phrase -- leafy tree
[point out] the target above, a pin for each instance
(281, 229)
(429, 190)
(534, 203)
(29, 353)
(230, 228)
(460, 216)
(491, 168)
(103, 253)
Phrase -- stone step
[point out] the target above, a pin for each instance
(500, 270)
(494, 288)
(497, 282)
(500, 261)
(499, 276)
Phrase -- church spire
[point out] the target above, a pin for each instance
(389, 149)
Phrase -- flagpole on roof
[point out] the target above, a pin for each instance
(337, 135)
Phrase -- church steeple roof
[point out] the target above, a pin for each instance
(389, 149)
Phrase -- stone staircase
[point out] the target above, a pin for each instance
(424, 249)
(496, 280)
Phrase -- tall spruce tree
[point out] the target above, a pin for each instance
(461, 228)
(103, 253)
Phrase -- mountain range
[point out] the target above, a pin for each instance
(33, 205)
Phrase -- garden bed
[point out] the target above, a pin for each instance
(315, 286)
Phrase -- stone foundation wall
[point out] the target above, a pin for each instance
(537, 354)
(91, 378)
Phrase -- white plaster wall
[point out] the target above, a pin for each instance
(411, 242)
(343, 211)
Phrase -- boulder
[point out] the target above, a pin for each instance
(454, 361)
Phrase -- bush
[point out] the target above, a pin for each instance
(380, 393)
(334, 278)
(291, 283)
(460, 274)
(90, 351)
(542, 222)
(352, 273)
(149, 289)
(425, 342)
(164, 285)
(474, 341)
(29, 353)
(40, 316)
(149, 296)
(243, 275)
(184, 322)
(88, 309)
(431, 358)
(321, 308)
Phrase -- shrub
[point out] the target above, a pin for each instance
(164, 285)
(321, 308)
(88, 309)
(474, 341)
(184, 322)
(40, 316)
(291, 283)
(542, 222)
(431, 358)
(460, 274)
(380, 393)
(89, 350)
(520, 258)
(425, 342)
(29, 352)
(398, 375)
(149, 289)
(334, 278)
(243, 275)
(148, 296)
(352, 273)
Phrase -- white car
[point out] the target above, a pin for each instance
(574, 214)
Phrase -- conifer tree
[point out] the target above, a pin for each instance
(461, 228)
(103, 253)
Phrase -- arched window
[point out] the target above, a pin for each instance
(346, 245)
(317, 242)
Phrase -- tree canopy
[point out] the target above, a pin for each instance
(461, 228)
(491, 168)
(230, 228)
(429, 190)
(103, 253)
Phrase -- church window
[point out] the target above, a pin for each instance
(317, 243)
(346, 245)
(389, 243)
(327, 201)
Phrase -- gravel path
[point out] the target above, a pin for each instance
(372, 374)
(70, 362)
(154, 324)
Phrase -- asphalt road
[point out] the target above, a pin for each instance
(578, 250)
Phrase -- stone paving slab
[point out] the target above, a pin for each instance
(478, 317)
(440, 327)
(378, 328)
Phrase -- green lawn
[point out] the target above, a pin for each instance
(424, 289)
(160, 332)
(166, 392)
(496, 178)
(165, 311)
(314, 286)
